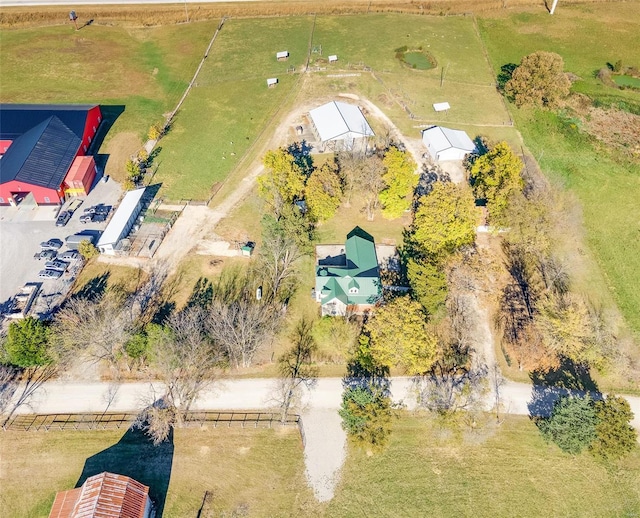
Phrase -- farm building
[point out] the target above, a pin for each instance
(122, 222)
(447, 144)
(282, 55)
(348, 277)
(80, 177)
(38, 146)
(340, 124)
(106, 495)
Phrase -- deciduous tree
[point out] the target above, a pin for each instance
(538, 80)
(27, 343)
(400, 180)
(496, 177)
(283, 181)
(366, 414)
(428, 283)
(323, 192)
(615, 437)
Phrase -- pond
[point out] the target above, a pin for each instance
(633, 82)
(419, 60)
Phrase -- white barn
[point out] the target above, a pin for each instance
(122, 222)
(340, 123)
(447, 144)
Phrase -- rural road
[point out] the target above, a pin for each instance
(325, 446)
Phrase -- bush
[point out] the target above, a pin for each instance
(87, 249)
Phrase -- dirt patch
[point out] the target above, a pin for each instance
(617, 129)
(120, 148)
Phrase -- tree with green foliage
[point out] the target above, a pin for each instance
(397, 335)
(323, 192)
(283, 182)
(496, 177)
(444, 221)
(400, 180)
(539, 80)
(366, 413)
(615, 437)
(572, 424)
(87, 249)
(27, 343)
(428, 283)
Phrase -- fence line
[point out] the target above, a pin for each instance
(120, 420)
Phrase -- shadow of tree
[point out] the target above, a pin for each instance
(135, 456)
(94, 288)
(506, 71)
(569, 378)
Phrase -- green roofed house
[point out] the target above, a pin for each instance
(348, 277)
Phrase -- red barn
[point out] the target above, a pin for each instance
(38, 145)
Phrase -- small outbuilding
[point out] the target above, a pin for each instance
(340, 124)
(441, 107)
(333, 58)
(80, 177)
(272, 82)
(122, 222)
(447, 144)
(282, 55)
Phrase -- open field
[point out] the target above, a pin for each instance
(261, 470)
(143, 71)
(510, 471)
(606, 183)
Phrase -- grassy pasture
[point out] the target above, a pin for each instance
(430, 471)
(259, 469)
(607, 185)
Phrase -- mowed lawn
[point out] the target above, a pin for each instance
(231, 104)
(260, 470)
(608, 185)
(431, 471)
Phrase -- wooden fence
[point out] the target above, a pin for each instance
(123, 420)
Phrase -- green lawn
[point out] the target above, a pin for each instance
(626, 81)
(606, 184)
(428, 471)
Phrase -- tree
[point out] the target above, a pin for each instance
(428, 283)
(615, 437)
(362, 174)
(444, 221)
(397, 335)
(87, 249)
(400, 180)
(323, 192)
(496, 177)
(27, 343)
(539, 80)
(295, 366)
(155, 132)
(241, 327)
(283, 181)
(185, 358)
(366, 414)
(571, 425)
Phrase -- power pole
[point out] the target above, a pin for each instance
(553, 7)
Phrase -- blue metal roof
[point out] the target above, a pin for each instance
(17, 119)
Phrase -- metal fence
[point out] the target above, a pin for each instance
(123, 420)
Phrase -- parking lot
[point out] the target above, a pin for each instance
(23, 228)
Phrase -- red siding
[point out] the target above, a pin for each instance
(41, 194)
(94, 118)
(81, 174)
(4, 145)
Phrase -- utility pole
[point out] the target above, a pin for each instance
(553, 7)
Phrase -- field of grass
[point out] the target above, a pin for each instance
(428, 471)
(144, 70)
(258, 469)
(606, 184)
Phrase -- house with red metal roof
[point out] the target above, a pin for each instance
(39, 144)
(106, 495)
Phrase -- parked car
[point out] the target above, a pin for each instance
(70, 255)
(63, 218)
(57, 264)
(50, 274)
(47, 254)
(53, 244)
(86, 218)
(101, 208)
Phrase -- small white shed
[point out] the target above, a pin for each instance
(447, 144)
(282, 55)
(272, 81)
(333, 58)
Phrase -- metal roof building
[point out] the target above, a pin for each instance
(122, 222)
(106, 495)
(340, 122)
(447, 144)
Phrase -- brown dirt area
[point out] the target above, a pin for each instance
(119, 149)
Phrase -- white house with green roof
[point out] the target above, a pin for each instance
(348, 277)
